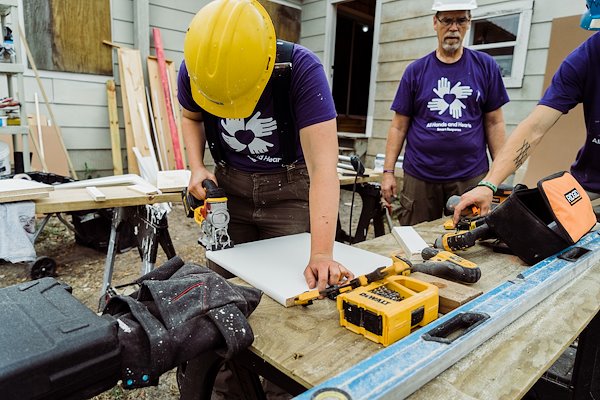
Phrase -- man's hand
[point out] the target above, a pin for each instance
(480, 196)
(196, 179)
(388, 188)
(323, 272)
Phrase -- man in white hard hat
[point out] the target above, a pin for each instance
(448, 109)
(576, 81)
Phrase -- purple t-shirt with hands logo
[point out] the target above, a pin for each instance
(446, 103)
(253, 144)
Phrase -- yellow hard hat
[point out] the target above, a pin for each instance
(229, 53)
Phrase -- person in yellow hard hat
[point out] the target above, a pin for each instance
(448, 111)
(270, 128)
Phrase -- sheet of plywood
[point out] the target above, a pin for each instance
(54, 156)
(276, 265)
(557, 150)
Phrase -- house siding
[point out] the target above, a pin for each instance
(406, 33)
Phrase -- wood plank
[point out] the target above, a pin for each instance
(159, 109)
(95, 193)
(133, 93)
(10, 187)
(452, 294)
(164, 77)
(173, 181)
(116, 196)
(172, 77)
(23, 197)
(113, 119)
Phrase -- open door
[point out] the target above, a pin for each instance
(352, 63)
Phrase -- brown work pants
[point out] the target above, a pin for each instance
(422, 201)
(262, 206)
(265, 205)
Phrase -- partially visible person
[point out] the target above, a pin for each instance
(576, 81)
(448, 109)
(279, 174)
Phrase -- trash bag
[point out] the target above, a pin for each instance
(180, 311)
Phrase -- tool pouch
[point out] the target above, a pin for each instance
(179, 312)
(537, 223)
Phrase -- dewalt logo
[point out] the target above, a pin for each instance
(573, 196)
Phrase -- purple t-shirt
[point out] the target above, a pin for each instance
(446, 103)
(578, 81)
(253, 145)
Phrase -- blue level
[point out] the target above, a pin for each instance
(400, 369)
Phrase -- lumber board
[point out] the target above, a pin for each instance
(452, 294)
(173, 181)
(113, 120)
(23, 197)
(159, 108)
(11, 187)
(172, 79)
(116, 196)
(164, 77)
(132, 93)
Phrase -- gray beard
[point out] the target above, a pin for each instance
(451, 49)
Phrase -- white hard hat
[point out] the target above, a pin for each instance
(454, 5)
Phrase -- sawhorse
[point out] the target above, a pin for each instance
(372, 210)
(150, 227)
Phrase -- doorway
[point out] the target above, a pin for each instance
(352, 63)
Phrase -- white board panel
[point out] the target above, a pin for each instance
(276, 266)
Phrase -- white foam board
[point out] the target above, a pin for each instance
(276, 266)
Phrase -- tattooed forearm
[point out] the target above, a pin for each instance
(522, 154)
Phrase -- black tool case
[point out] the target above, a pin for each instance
(52, 346)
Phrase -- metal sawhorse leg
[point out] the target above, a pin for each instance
(150, 227)
(372, 210)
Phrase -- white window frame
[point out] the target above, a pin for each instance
(525, 10)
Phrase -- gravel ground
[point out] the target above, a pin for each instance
(82, 268)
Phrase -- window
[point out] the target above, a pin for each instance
(502, 31)
(66, 35)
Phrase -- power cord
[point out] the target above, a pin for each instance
(359, 167)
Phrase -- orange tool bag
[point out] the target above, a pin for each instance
(537, 223)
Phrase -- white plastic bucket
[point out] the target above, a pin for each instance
(4, 159)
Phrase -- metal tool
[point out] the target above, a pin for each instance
(211, 214)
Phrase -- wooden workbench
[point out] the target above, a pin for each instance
(116, 196)
(309, 346)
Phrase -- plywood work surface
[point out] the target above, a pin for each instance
(308, 345)
(116, 196)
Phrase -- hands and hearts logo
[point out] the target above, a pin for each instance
(449, 98)
(241, 135)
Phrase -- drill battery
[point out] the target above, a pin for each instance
(387, 310)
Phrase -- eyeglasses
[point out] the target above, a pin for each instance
(462, 21)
